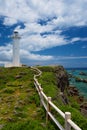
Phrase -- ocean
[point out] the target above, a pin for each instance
(81, 86)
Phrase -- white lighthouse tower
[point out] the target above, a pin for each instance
(16, 55)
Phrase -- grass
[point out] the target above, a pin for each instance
(20, 105)
(19, 102)
(28, 125)
(47, 79)
(49, 83)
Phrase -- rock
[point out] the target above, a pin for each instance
(83, 73)
(19, 118)
(84, 106)
(34, 114)
(15, 112)
(10, 119)
(21, 102)
(28, 90)
(77, 79)
(73, 91)
(70, 75)
(81, 98)
(84, 112)
(83, 109)
(10, 99)
(5, 113)
(18, 77)
(43, 124)
(21, 86)
(62, 78)
(9, 104)
(85, 80)
(61, 93)
(16, 107)
(64, 99)
(23, 65)
(1, 126)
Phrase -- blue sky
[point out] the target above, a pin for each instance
(53, 32)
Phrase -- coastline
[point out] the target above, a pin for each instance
(75, 74)
(78, 88)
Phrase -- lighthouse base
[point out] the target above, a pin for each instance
(9, 64)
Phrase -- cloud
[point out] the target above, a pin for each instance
(76, 39)
(67, 13)
(54, 16)
(37, 42)
(70, 57)
(6, 55)
(29, 56)
(9, 21)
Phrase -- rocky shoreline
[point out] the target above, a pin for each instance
(65, 89)
(73, 91)
(77, 79)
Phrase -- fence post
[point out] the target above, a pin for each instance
(41, 97)
(48, 109)
(67, 116)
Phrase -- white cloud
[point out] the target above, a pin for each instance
(78, 39)
(71, 57)
(59, 13)
(9, 21)
(75, 39)
(68, 13)
(29, 56)
(37, 42)
(6, 54)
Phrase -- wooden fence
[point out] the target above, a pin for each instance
(47, 103)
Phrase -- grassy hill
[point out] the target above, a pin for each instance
(19, 102)
(49, 84)
(20, 105)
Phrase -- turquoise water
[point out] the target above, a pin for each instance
(82, 87)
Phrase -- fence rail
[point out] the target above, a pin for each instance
(47, 103)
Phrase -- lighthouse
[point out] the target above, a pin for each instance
(16, 54)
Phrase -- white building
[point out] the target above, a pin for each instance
(16, 55)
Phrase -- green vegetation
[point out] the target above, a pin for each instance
(48, 81)
(19, 102)
(20, 105)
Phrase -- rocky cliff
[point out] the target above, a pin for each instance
(61, 77)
